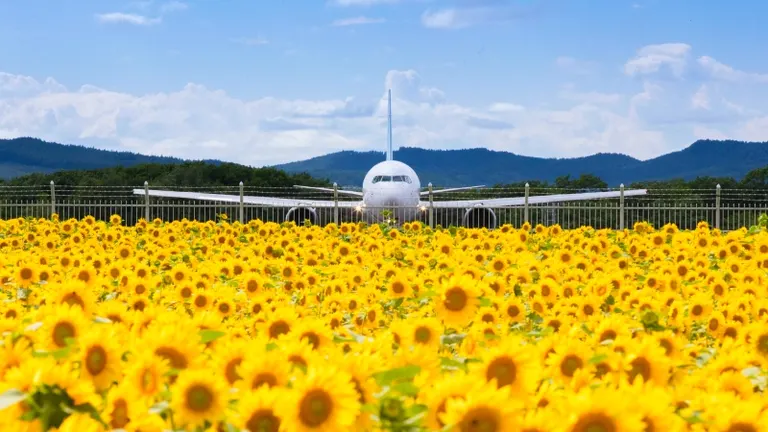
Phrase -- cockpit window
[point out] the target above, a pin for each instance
(398, 178)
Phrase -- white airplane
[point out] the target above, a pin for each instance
(389, 185)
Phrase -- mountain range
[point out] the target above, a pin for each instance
(443, 168)
(477, 166)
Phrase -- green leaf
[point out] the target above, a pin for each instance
(448, 363)
(485, 302)
(533, 316)
(387, 377)
(597, 359)
(406, 388)
(210, 335)
(10, 398)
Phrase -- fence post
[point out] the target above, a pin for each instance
(335, 203)
(431, 207)
(527, 194)
(717, 206)
(621, 207)
(146, 201)
(242, 209)
(53, 199)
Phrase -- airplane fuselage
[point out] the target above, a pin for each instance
(394, 186)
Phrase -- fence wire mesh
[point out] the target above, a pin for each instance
(728, 209)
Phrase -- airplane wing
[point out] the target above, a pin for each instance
(252, 200)
(322, 189)
(538, 199)
(436, 191)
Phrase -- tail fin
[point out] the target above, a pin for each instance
(389, 127)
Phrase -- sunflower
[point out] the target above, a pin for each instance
(198, 397)
(601, 410)
(323, 399)
(100, 355)
(145, 373)
(511, 364)
(258, 410)
(483, 408)
(458, 301)
(62, 322)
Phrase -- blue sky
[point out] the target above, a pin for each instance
(262, 82)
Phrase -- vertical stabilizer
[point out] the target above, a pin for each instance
(389, 126)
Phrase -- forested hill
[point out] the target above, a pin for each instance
(186, 174)
(21, 156)
(704, 158)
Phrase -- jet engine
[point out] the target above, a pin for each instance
(479, 217)
(300, 214)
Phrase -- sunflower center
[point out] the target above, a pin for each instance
(422, 335)
(513, 311)
(264, 378)
(84, 276)
(398, 287)
(95, 360)
(455, 299)
(119, 414)
(73, 299)
(762, 344)
(697, 310)
(649, 426)
(263, 420)
(480, 419)
(312, 338)
(61, 332)
(231, 370)
(608, 334)
(595, 422)
(174, 357)
(199, 398)
(278, 328)
(503, 369)
(640, 366)
(570, 365)
(315, 408)
(714, 324)
(26, 273)
(741, 427)
(148, 382)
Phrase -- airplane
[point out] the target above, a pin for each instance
(394, 185)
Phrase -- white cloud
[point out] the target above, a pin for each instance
(127, 18)
(727, 73)
(197, 122)
(700, 99)
(651, 58)
(470, 13)
(595, 98)
(361, 20)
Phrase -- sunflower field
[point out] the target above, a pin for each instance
(222, 326)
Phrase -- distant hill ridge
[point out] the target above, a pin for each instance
(704, 158)
(710, 158)
(26, 155)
